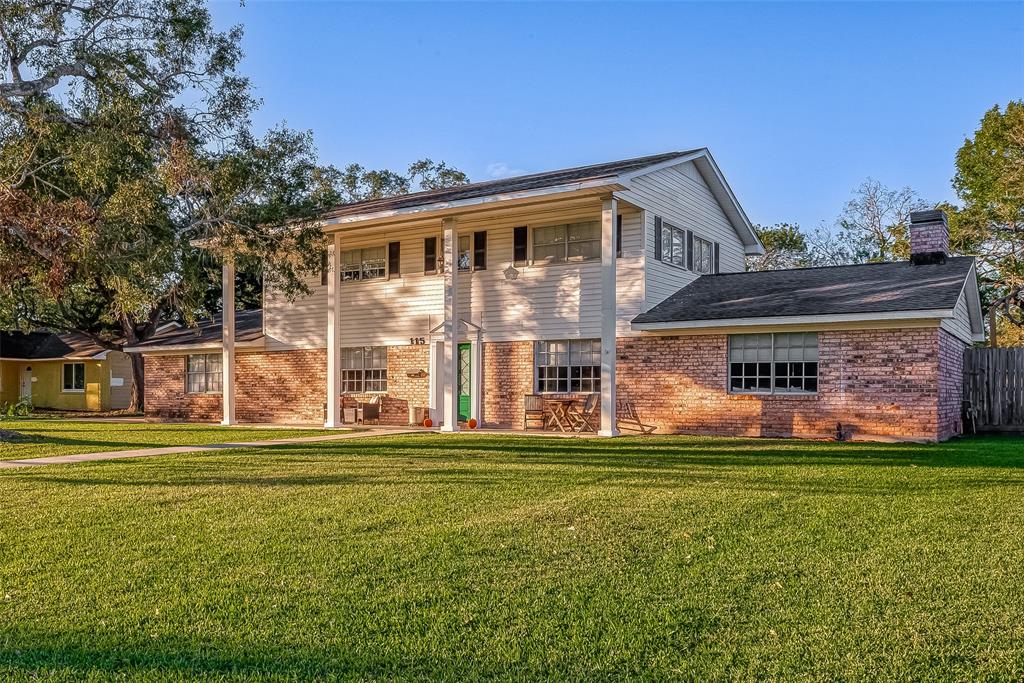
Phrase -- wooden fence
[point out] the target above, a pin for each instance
(994, 387)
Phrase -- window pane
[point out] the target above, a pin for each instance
(464, 258)
(666, 243)
(585, 250)
(554, 234)
(79, 375)
(196, 363)
(678, 247)
(549, 253)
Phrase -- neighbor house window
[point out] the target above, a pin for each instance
(568, 242)
(673, 245)
(565, 366)
(74, 377)
(773, 363)
(703, 256)
(203, 374)
(363, 264)
(364, 369)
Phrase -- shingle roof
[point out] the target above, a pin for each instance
(505, 185)
(866, 288)
(248, 327)
(41, 345)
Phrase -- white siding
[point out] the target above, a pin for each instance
(681, 196)
(529, 302)
(960, 324)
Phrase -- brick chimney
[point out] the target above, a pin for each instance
(929, 237)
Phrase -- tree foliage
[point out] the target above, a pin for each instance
(989, 181)
(785, 246)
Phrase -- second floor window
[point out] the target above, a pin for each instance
(364, 369)
(363, 264)
(465, 255)
(567, 242)
(703, 256)
(673, 245)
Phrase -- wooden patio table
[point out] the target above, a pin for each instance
(561, 408)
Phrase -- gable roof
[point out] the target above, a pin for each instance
(534, 181)
(47, 345)
(872, 289)
(207, 333)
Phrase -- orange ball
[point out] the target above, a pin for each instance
(472, 423)
(428, 422)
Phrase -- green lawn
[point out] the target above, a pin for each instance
(45, 437)
(485, 556)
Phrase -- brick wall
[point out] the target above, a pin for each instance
(880, 383)
(283, 387)
(166, 397)
(951, 377)
(507, 377)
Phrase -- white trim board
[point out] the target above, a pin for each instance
(768, 321)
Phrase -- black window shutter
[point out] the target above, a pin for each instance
(394, 258)
(618, 236)
(689, 250)
(716, 257)
(480, 250)
(430, 255)
(324, 267)
(657, 238)
(519, 236)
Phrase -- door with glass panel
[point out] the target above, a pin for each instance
(465, 380)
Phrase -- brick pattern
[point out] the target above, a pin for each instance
(165, 393)
(507, 377)
(875, 383)
(951, 378)
(929, 238)
(283, 387)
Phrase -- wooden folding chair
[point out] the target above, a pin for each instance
(581, 419)
(627, 418)
(533, 409)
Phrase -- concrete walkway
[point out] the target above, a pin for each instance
(167, 450)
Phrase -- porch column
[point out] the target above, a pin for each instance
(333, 418)
(450, 363)
(476, 391)
(609, 211)
(227, 320)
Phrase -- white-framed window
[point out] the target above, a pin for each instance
(465, 252)
(364, 369)
(673, 245)
(703, 256)
(368, 263)
(203, 373)
(567, 242)
(568, 366)
(773, 363)
(73, 380)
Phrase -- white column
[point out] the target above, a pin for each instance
(478, 380)
(609, 212)
(333, 336)
(228, 340)
(450, 374)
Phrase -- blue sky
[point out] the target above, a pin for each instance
(798, 102)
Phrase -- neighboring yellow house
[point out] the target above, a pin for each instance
(63, 372)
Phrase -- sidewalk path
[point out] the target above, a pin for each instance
(167, 450)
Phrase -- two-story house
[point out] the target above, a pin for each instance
(618, 279)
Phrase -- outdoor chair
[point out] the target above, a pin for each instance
(533, 410)
(627, 418)
(582, 418)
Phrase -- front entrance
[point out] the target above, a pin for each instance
(465, 381)
(26, 383)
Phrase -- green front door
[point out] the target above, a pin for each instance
(465, 380)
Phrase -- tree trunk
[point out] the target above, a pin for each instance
(138, 403)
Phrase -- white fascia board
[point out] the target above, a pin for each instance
(102, 355)
(611, 183)
(193, 348)
(767, 321)
(42, 360)
(974, 304)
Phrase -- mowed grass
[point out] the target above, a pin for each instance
(46, 437)
(485, 556)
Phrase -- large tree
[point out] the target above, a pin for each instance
(124, 140)
(989, 181)
(785, 246)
